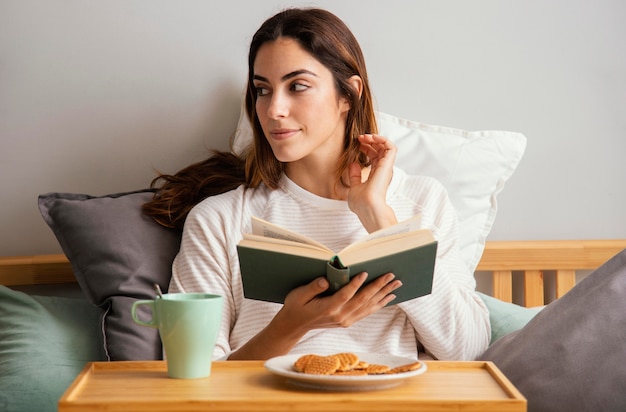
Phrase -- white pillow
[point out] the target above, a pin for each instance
(473, 167)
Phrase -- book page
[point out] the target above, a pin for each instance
(266, 229)
(381, 247)
(406, 226)
(284, 246)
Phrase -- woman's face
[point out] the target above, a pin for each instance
(297, 104)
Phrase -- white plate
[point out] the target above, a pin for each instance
(283, 366)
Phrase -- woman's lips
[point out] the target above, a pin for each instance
(281, 134)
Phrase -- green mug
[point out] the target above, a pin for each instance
(188, 324)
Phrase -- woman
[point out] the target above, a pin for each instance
(317, 167)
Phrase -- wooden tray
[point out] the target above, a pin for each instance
(248, 386)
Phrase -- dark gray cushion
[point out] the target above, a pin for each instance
(44, 344)
(117, 255)
(572, 355)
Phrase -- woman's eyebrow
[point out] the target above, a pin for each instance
(287, 76)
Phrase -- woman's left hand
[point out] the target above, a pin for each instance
(367, 196)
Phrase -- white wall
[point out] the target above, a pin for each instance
(95, 95)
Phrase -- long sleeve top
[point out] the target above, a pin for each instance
(451, 323)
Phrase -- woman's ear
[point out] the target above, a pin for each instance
(357, 84)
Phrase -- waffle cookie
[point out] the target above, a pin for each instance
(374, 369)
(406, 368)
(318, 365)
(347, 361)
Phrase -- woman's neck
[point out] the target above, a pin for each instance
(321, 180)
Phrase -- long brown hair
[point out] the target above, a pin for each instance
(330, 41)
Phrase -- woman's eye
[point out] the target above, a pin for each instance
(299, 87)
(261, 91)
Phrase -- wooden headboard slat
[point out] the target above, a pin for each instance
(503, 285)
(565, 280)
(533, 288)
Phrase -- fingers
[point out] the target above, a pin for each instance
(347, 292)
(376, 146)
(358, 301)
(310, 291)
(379, 290)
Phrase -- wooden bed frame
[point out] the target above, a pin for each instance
(505, 260)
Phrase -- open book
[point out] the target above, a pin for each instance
(275, 260)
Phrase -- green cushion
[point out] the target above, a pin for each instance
(44, 344)
(506, 317)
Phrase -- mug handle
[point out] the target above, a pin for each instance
(152, 322)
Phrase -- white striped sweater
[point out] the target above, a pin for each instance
(452, 323)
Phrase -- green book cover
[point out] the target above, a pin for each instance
(271, 268)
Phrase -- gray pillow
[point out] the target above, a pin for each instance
(117, 255)
(45, 342)
(571, 356)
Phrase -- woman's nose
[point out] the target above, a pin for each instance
(279, 106)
